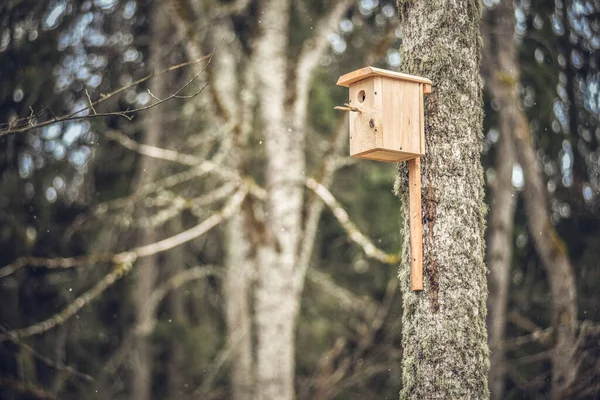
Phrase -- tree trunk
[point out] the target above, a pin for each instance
(499, 257)
(550, 248)
(444, 331)
(234, 96)
(147, 270)
(497, 49)
(263, 246)
(238, 279)
(175, 263)
(276, 297)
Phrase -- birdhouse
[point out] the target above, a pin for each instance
(387, 124)
(386, 119)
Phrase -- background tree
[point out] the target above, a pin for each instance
(530, 108)
(218, 125)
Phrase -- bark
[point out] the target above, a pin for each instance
(550, 248)
(276, 298)
(147, 270)
(238, 279)
(498, 48)
(444, 330)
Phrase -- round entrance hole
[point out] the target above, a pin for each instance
(361, 96)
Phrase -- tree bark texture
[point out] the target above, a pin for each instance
(498, 48)
(550, 248)
(444, 329)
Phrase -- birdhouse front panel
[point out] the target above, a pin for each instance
(386, 118)
(366, 126)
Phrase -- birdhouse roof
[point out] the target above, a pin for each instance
(367, 72)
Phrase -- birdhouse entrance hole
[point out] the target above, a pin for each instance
(361, 96)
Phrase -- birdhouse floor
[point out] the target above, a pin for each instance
(385, 155)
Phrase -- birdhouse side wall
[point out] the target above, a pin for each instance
(366, 127)
(402, 116)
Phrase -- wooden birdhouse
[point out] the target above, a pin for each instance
(387, 124)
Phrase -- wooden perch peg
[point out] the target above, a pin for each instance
(347, 107)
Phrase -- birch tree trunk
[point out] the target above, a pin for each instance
(444, 330)
(276, 298)
(550, 248)
(263, 243)
(498, 48)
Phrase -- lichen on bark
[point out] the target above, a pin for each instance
(444, 332)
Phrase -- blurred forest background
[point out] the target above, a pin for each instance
(103, 296)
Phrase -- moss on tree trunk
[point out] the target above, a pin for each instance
(444, 330)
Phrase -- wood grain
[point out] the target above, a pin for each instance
(416, 227)
(367, 72)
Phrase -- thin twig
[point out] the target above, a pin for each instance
(147, 318)
(24, 124)
(117, 273)
(124, 262)
(141, 251)
(26, 389)
(47, 360)
(351, 229)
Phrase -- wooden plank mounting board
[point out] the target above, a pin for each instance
(416, 224)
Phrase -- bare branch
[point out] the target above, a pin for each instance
(542, 336)
(313, 47)
(353, 233)
(26, 124)
(117, 273)
(141, 251)
(174, 206)
(309, 57)
(152, 151)
(186, 159)
(377, 322)
(315, 206)
(89, 102)
(345, 297)
(26, 389)
(214, 369)
(174, 283)
(331, 163)
(47, 360)
(53, 263)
